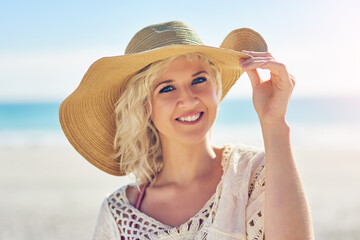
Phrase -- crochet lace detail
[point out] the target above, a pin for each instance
(133, 224)
(255, 223)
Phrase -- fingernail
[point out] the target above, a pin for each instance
(244, 51)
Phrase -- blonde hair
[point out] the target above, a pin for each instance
(137, 141)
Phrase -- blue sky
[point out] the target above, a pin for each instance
(47, 46)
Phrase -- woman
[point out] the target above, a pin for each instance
(150, 112)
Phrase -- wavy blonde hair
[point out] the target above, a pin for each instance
(137, 141)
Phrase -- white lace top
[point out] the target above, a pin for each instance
(235, 211)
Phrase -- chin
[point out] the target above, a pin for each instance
(194, 138)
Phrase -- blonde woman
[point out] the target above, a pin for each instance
(150, 112)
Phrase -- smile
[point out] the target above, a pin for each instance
(192, 118)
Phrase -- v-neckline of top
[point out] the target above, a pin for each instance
(224, 163)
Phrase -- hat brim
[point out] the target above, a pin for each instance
(87, 116)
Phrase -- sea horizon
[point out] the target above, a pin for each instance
(315, 122)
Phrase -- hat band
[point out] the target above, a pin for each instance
(182, 36)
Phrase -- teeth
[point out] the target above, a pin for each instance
(190, 118)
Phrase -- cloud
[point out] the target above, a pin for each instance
(45, 76)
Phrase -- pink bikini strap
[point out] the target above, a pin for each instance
(141, 195)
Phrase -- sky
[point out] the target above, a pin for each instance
(47, 46)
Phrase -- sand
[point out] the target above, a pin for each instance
(52, 193)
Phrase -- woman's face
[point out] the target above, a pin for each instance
(184, 101)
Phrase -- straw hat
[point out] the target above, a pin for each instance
(87, 116)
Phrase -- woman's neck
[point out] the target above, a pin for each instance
(185, 163)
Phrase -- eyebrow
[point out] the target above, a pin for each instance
(170, 81)
(162, 82)
(198, 73)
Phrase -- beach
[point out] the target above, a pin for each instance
(51, 192)
(48, 191)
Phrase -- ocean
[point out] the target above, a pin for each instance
(315, 122)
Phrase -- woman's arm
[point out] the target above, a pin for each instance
(287, 214)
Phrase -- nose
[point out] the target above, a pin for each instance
(187, 99)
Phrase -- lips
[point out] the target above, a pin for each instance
(190, 118)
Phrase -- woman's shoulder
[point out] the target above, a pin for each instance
(244, 149)
(115, 208)
(125, 195)
(242, 157)
(245, 170)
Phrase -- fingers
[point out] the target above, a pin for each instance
(254, 78)
(250, 65)
(279, 75)
(292, 78)
(257, 59)
(275, 68)
(258, 54)
(264, 60)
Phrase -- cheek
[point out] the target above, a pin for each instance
(211, 95)
(213, 101)
(161, 109)
(214, 96)
(214, 104)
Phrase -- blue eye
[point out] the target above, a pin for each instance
(199, 80)
(166, 89)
